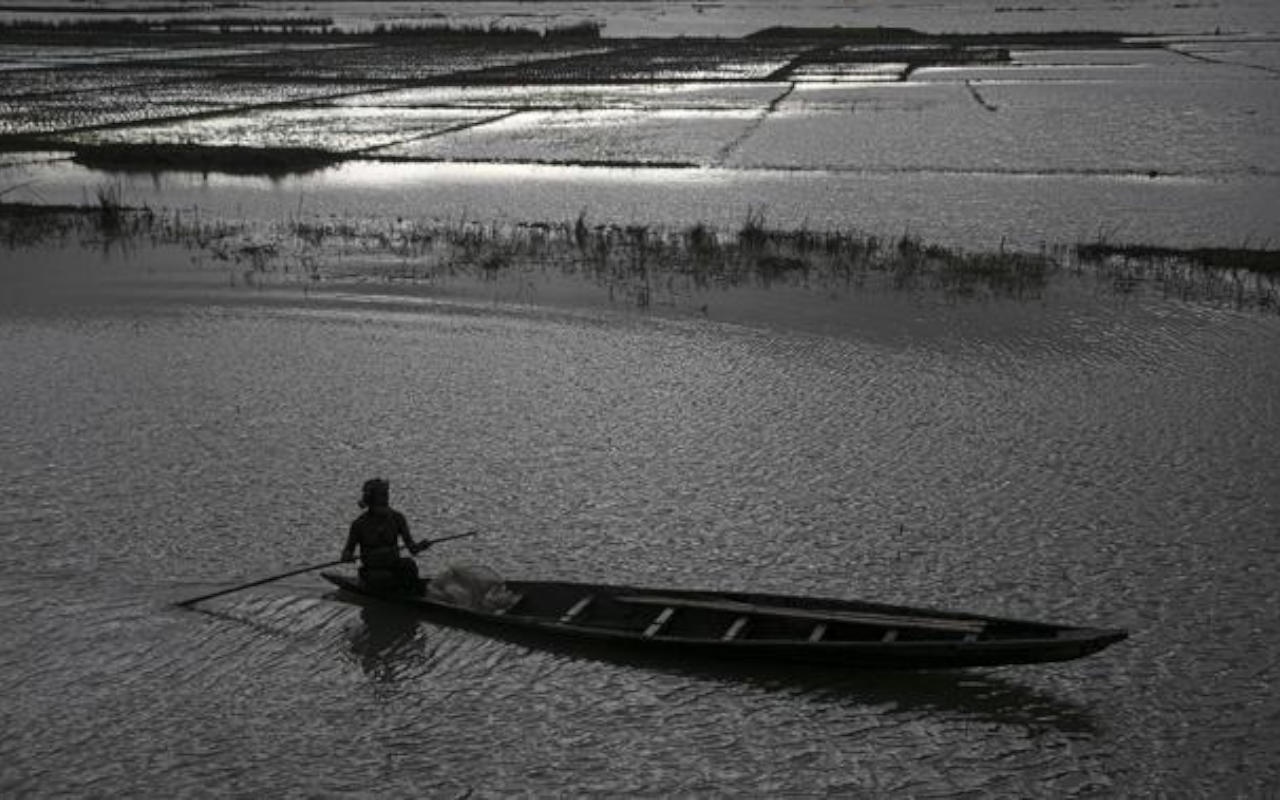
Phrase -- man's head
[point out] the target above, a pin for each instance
(376, 493)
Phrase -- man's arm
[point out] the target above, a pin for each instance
(414, 547)
(349, 551)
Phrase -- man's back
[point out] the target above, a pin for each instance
(378, 531)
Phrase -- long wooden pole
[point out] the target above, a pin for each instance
(422, 545)
(192, 601)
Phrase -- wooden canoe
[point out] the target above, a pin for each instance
(755, 627)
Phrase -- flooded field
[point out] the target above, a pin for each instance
(827, 314)
(1137, 133)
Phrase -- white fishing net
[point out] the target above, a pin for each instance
(471, 586)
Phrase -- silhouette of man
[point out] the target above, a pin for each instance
(378, 533)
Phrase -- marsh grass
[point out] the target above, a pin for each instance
(646, 265)
(1245, 276)
(109, 206)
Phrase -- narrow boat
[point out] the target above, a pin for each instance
(746, 626)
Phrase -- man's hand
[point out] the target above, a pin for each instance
(419, 547)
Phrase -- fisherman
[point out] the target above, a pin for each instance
(379, 532)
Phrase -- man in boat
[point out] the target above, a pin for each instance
(378, 533)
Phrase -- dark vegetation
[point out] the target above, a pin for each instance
(1258, 260)
(286, 27)
(232, 160)
(1244, 276)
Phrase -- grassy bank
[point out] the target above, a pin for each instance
(643, 265)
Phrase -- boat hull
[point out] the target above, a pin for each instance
(786, 628)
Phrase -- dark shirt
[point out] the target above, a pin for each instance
(379, 532)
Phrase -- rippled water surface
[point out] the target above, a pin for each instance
(1082, 459)
(1083, 456)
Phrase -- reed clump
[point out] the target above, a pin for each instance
(1244, 276)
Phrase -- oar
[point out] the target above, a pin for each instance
(421, 546)
(192, 601)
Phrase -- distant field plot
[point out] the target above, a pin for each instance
(590, 137)
(876, 128)
(1134, 57)
(678, 60)
(18, 56)
(1147, 66)
(336, 130)
(1018, 73)
(850, 72)
(1191, 129)
(81, 111)
(903, 98)
(116, 105)
(246, 92)
(1261, 55)
(45, 82)
(581, 97)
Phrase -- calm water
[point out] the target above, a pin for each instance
(1079, 458)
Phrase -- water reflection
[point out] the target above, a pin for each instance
(956, 694)
(964, 208)
(389, 645)
(386, 642)
(963, 694)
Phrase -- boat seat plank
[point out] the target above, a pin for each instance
(818, 615)
(659, 623)
(736, 629)
(577, 609)
(819, 631)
